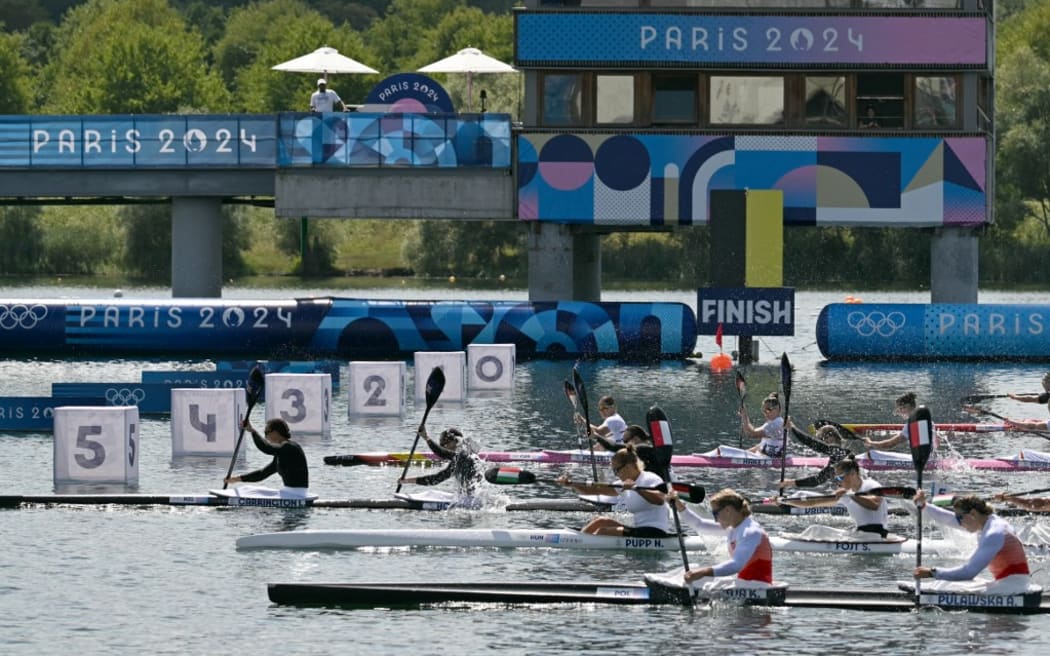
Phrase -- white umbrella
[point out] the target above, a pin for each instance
(469, 61)
(324, 60)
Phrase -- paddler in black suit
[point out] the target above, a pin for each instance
(289, 461)
(463, 464)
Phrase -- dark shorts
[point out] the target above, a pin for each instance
(644, 532)
(772, 451)
(874, 528)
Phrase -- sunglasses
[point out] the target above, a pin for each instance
(959, 517)
(714, 513)
(839, 478)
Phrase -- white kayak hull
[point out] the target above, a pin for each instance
(892, 546)
(551, 539)
(493, 538)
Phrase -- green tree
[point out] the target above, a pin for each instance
(79, 240)
(130, 56)
(406, 22)
(485, 249)
(466, 27)
(15, 95)
(1023, 159)
(317, 253)
(263, 35)
(21, 241)
(17, 15)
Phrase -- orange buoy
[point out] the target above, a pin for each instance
(721, 362)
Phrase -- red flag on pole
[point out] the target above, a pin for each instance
(718, 336)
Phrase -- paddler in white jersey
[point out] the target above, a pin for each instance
(771, 432)
(647, 506)
(905, 407)
(998, 549)
(869, 512)
(906, 404)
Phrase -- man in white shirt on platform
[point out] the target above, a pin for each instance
(324, 99)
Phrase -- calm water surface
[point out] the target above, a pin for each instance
(168, 580)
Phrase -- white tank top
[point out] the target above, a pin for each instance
(861, 515)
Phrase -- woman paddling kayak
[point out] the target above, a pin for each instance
(463, 462)
(648, 506)
(998, 549)
(289, 461)
(750, 554)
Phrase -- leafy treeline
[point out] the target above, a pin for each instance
(215, 56)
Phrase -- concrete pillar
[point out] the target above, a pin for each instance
(563, 265)
(196, 247)
(953, 265)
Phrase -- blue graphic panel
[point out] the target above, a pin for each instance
(138, 141)
(348, 329)
(395, 139)
(605, 39)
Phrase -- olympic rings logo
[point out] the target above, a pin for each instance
(125, 396)
(21, 316)
(883, 324)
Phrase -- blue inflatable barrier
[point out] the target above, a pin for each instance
(347, 329)
(223, 379)
(36, 413)
(330, 367)
(917, 331)
(150, 398)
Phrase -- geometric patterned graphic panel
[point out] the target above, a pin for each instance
(667, 179)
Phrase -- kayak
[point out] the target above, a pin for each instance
(851, 542)
(723, 457)
(416, 595)
(842, 542)
(972, 427)
(470, 537)
(401, 502)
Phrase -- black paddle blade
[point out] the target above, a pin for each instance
(977, 398)
(581, 396)
(920, 436)
(570, 392)
(256, 383)
(899, 492)
(343, 461)
(741, 385)
(785, 376)
(435, 385)
(509, 476)
(688, 492)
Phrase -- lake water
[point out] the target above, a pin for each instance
(109, 580)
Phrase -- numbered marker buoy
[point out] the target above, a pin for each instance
(302, 400)
(452, 363)
(377, 388)
(205, 422)
(491, 366)
(96, 444)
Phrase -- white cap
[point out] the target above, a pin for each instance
(321, 81)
